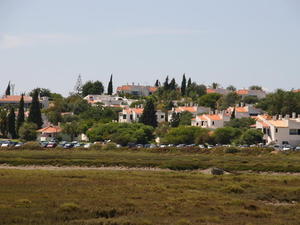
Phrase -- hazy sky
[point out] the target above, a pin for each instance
(239, 42)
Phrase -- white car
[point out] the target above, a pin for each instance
(88, 145)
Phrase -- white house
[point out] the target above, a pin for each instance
(212, 121)
(258, 93)
(194, 110)
(280, 130)
(130, 115)
(137, 90)
(244, 111)
(108, 100)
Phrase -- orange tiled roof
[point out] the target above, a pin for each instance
(210, 90)
(152, 89)
(263, 123)
(15, 98)
(242, 109)
(296, 91)
(190, 109)
(202, 117)
(242, 92)
(136, 110)
(279, 123)
(214, 117)
(50, 129)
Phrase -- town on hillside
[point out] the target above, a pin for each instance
(167, 114)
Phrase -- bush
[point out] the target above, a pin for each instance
(234, 189)
(110, 146)
(32, 145)
(27, 131)
(96, 146)
(69, 207)
(231, 150)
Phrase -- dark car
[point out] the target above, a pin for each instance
(68, 145)
(51, 145)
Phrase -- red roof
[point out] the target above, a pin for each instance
(210, 90)
(15, 98)
(190, 109)
(50, 129)
(241, 109)
(242, 92)
(136, 110)
(214, 117)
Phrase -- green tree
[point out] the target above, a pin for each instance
(231, 99)
(27, 131)
(21, 116)
(255, 87)
(35, 115)
(92, 88)
(157, 83)
(175, 120)
(231, 88)
(173, 85)
(110, 86)
(54, 117)
(183, 85)
(215, 85)
(7, 92)
(71, 129)
(209, 100)
(185, 118)
(43, 92)
(226, 135)
(250, 99)
(252, 136)
(189, 83)
(149, 114)
(166, 83)
(242, 123)
(11, 123)
(3, 122)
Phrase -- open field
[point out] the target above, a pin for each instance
(254, 160)
(146, 197)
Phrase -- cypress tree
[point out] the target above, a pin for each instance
(110, 86)
(232, 114)
(35, 115)
(7, 92)
(11, 123)
(21, 117)
(189, 83)
(166, 84)
(149, 114)
(183, 85)
(172, 85)
(157, 84)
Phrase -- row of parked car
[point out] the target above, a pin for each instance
(10, 144)
(64, 144)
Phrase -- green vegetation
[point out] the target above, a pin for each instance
(92, 88)
(230, 159)
(35, 115)
(146, 198)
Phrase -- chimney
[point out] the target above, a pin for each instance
(274, 118)
(294, 115)
(287, 116)
(280, 117)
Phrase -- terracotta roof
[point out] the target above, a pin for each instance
(214, 117)
(152, 89)
(50, 129)
(201, 117)
(242, 92)
(265, 125)
(296, 91)
(15, 98)
(136, 110)
(129, 87)
(242, 109)
(279, 123)
(210, 90)
(190, 109)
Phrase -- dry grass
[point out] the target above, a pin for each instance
(146, 197)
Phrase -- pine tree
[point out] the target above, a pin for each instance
(11, 123)
(232, 114)
(7, 92)
(175, 119)
(166, 84)
(3, 122)
(110, 86)
(21, 117)
(189, 83)
(35, 115)
(183, 85)
(149, 114)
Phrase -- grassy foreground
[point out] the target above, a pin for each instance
(145, 197)
(246, 159)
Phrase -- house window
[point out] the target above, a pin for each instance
(276, 130)
(213, 122)
(293, 132)
(124, 117)
(131, 117)
(162, 116)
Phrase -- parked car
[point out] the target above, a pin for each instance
(5, 144)
(68, 145)
(171, 145)
(286, 148)
(18, 145)
(139, 146)
(87, 145)
(51, 145)
(44, 144)
(201, 146)
(297, 148)
(180, 146)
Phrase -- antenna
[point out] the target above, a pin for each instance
(12, 86)
(78, 85)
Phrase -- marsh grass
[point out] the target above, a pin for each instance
(146, 197)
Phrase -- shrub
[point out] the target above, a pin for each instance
(27, 131)
(32, 145)
(69, 207)
(231, 150)
(96, 146)
(110, 146)
(234, 189)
